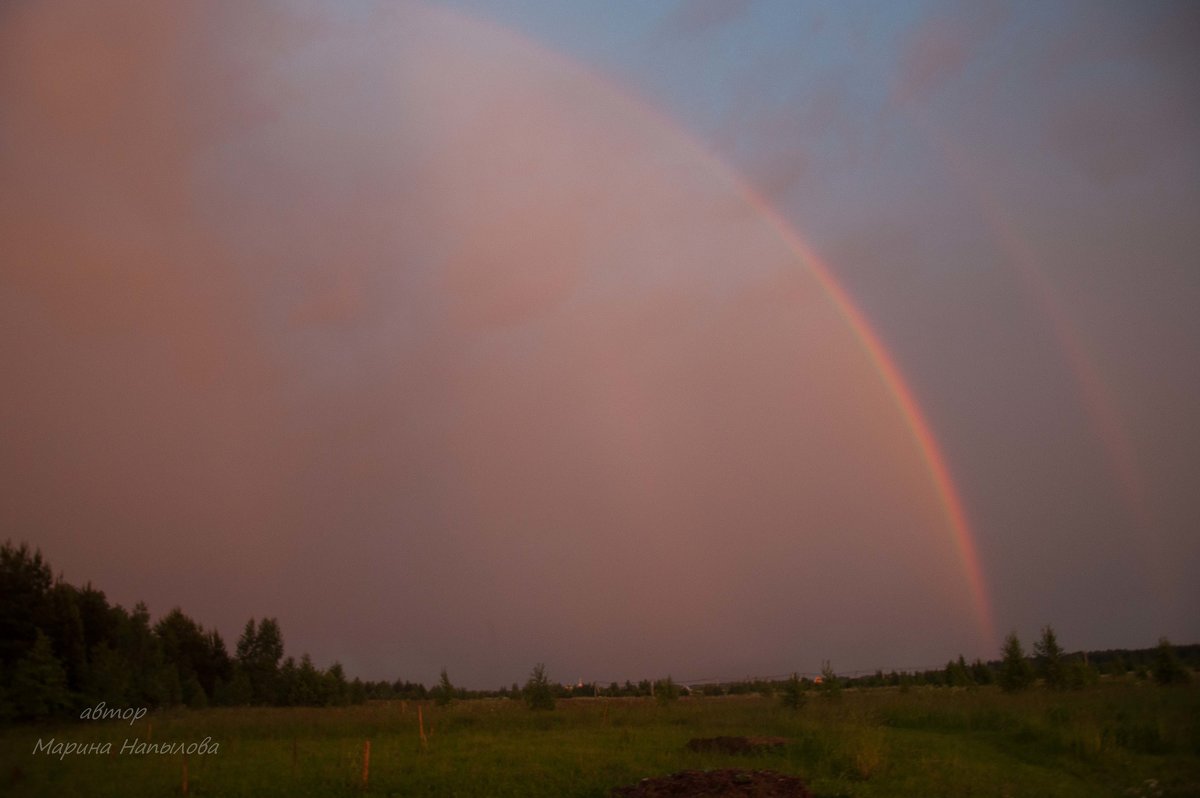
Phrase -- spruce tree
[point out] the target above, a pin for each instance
(39, 683)
(1015, 671)
(831, 686)
(25, 601)
(538, 693)
(1049, 659)
(444, 692)
(793, 693)
(957, 674)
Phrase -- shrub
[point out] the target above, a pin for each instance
(666, 692)
(1078, 674)
(1167, 667)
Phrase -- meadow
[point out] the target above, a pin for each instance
(1119, 738)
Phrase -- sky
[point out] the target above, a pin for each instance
(715, 339)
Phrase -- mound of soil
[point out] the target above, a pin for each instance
(737, 745)
(730, 783)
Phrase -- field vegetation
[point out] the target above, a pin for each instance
(1119, 737)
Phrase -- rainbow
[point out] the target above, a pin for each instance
(947, 494)
(885, 365)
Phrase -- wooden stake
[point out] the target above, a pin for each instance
(366, 762)
(421, 726)
(185, 784)
(295, 756)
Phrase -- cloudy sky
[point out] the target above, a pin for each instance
(712, 338)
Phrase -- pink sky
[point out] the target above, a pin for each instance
(444, 351)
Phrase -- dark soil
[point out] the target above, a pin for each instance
(737, 745)
(731, 783)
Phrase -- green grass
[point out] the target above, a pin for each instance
(1123, 738)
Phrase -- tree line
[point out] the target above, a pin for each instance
(64, 648)
(67, 649)
(1060, 671)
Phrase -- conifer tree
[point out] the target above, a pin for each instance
(25, 603)
(1015, 671)
(831, 686)
(538, 693)
(444, 692)
(793, 693)
(39, 683)
(957, 674)
(1049, 659)
(259, 651)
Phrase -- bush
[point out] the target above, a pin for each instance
(1167, 667)
(1078, 674)
(666, 692)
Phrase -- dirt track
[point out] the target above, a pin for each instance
(717, 784)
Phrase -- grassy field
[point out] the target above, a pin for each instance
(1126, 738)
